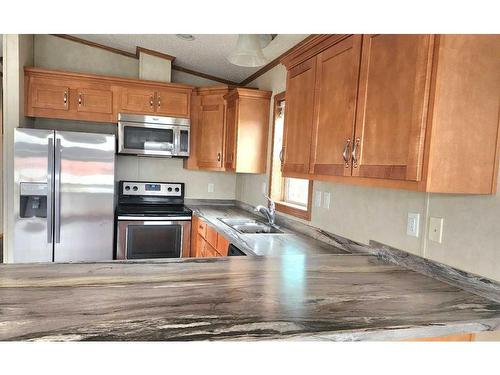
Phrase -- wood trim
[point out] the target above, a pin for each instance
(102, 78)
(204, 75)
(97, 45)
(151, 52)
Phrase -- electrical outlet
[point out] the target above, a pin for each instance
(436, 229)
(211, 188)
(317, 198)
(326, 200)
(413, 224)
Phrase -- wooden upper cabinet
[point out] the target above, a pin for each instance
(337, 71)
(299, 117)
(392, 105)
(137, 100)
(247, 130)
(173, 102)
(94, 100)
(48, 94)
(211, 127)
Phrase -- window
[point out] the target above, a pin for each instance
(292, 195)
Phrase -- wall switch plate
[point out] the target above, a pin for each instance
(326, 200)
(264, 188)
(436, 229)
(317, 198)
(211, 188)
(413, 224)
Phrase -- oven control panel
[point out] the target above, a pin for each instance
(163, 189)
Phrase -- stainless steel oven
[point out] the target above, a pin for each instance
(152, 221)
(153, 135)
(148, 238)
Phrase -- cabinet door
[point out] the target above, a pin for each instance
(173, 102)
(95, 101)
(299, 117)
(392, 106)
(222, 245)
(48, 95)
(231, 117)
(337, 74)
(137, 100)
(211, 132)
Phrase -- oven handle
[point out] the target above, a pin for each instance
(154, 218)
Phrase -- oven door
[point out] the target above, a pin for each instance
(147, 139)
(152, 239)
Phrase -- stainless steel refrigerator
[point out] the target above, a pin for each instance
(64, 196)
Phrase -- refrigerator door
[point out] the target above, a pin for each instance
(83, 196)
(33, 186)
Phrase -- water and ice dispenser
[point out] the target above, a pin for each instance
(33, 200)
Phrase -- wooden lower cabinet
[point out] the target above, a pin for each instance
(457, 337)
(415, 112)
(206, 241)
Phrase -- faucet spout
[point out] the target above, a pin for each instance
(268, 212)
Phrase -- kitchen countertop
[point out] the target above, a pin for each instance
(300, 296)
(287, 243)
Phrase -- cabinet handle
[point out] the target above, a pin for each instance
(281, 154)
(159, 102)
(79, 99)
(218, 156)
(151, 102)
(345, 154)
(354, 153)
(65, 98)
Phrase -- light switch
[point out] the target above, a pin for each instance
(326, 200)
(211, 188)
(317, 198)
(413, 224)
(436, 229)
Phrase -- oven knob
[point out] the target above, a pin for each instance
(176, 190)
(135, 188)
(169, 189)
(127, 188)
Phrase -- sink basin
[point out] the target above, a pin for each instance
(248, 226)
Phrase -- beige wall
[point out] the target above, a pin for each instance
(154, 68)
(181, 77)
(17, 53)
(471, 234)
(57, 53)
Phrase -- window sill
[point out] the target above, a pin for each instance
(293, 210)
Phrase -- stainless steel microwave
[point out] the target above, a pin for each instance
(153, 135)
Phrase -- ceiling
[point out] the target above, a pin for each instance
(206, 54)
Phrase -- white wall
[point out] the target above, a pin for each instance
(56, 53)
(17, 53)
(471, 236)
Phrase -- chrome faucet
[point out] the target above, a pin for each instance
(269, 211)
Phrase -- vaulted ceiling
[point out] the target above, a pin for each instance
(207, 53)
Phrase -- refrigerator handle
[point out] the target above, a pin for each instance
(50, 181)
(57, 192)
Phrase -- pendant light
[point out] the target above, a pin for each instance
(248, 50)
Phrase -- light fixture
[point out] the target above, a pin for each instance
(187, 37)
(248, 51)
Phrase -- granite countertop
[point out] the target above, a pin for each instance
(293, 297)
(287, 243)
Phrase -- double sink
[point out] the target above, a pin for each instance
(249, 226)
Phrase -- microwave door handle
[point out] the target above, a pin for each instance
(57, 192)
(177, 141)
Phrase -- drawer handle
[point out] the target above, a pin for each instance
(159, 102)
(151, 102)
(65, 98)
(218, 156)
(355, 153)
(345, 154)
(79, 99)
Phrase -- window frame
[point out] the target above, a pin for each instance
(284, 207)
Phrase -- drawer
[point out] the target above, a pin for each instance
(211, 236)
(202, 228)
